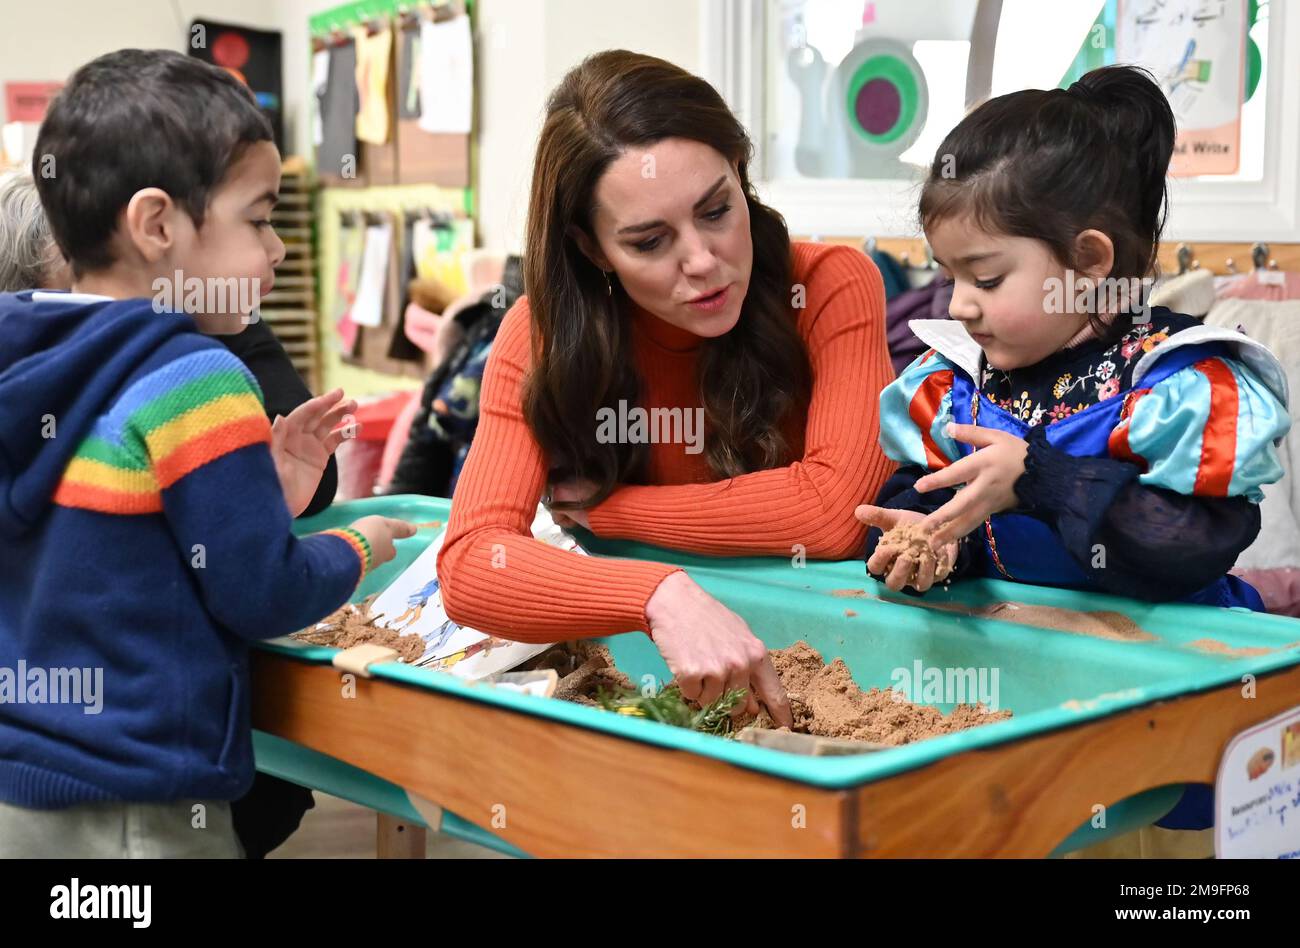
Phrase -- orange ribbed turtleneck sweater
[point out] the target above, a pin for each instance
(496, 578)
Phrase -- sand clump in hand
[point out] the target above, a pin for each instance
(914, 542)
(353, 625)
(827, 702)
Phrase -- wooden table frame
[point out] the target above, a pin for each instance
(558, 790)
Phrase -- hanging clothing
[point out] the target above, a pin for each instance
(1192, 293)
(892, 272)
(447, 75)
(352, 245)
(926, 302)
(337, 105)
(1274, 285)
(374, 53)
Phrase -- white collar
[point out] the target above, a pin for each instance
(67, 296)
(950, 340)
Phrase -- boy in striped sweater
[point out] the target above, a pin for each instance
(145, 538)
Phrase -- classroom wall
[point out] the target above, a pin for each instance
(517, 72)
(48, 40)
(524, 48)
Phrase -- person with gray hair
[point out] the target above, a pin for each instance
(29, 257)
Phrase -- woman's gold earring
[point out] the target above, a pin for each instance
(609, 287)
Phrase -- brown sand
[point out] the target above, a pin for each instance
(826, 701)
(1102, 624)
(914, 543)
(1215, 647)
(585, 668)
(353, 625)
(824, 698)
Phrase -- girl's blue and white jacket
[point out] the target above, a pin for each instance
(1152, 491)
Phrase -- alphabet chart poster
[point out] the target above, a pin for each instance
(1197, 51)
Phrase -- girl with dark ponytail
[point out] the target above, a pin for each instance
(1099, 443)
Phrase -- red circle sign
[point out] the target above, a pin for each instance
(230, 50)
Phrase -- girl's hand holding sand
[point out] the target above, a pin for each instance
(898, 562)
(302, 443)
(989, 476)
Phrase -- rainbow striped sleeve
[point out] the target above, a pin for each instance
(171, 422)
(914, 410)
(1208, 430)
(360, 545)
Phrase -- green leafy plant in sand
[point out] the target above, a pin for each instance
(668, 706)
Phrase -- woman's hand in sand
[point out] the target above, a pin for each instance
(302, 443)
(710, 650)
(898, 567)
(569, 491)
(380, 532)
(989, 476)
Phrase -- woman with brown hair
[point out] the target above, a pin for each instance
(659, 286)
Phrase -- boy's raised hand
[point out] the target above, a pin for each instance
(302, 443)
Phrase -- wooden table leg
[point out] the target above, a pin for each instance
(398, 839)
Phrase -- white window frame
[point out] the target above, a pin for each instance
(731, 43)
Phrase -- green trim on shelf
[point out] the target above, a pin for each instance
(351, 14)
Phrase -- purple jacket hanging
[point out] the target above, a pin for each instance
(925, 302)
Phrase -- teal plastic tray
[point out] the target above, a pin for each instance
(1049, 679)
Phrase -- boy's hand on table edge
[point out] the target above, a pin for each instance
(380, 532)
